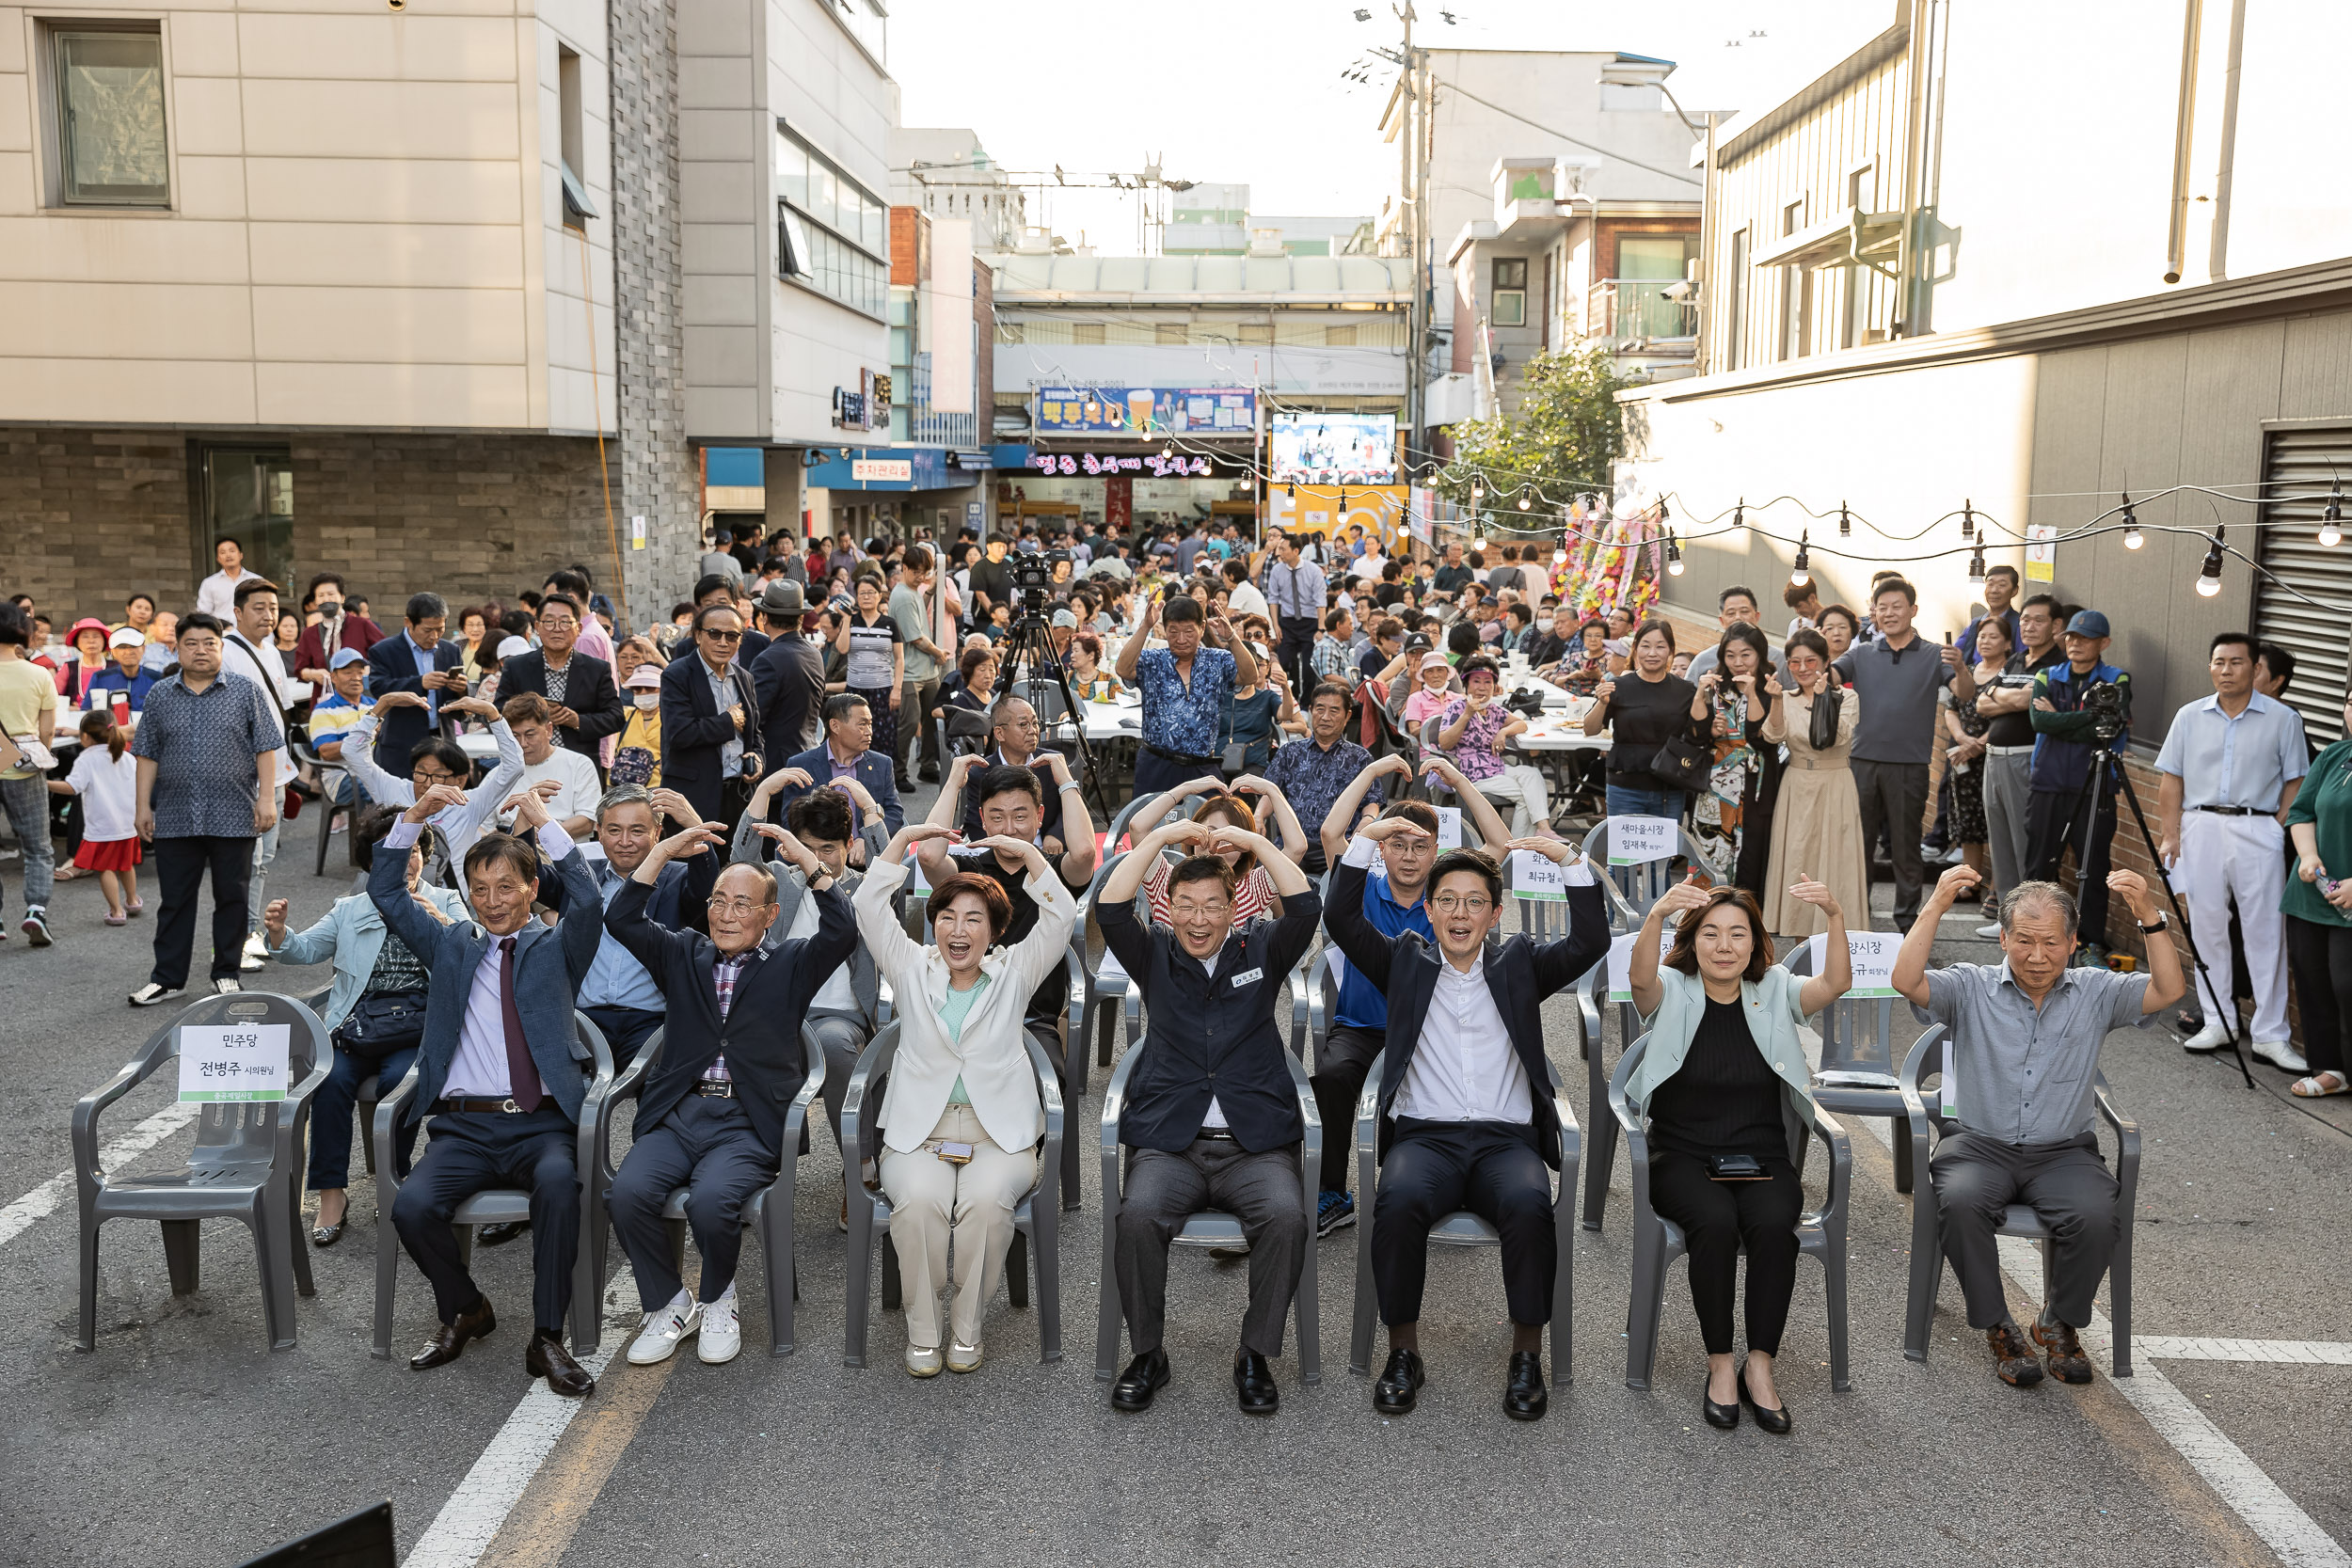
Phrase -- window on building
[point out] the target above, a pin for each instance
(1735, 305)
(831, 231)
(1854, 324)
(1796, 291)
(1086, 332)
(108, 84)
(573, 131)
(1254, 332)
(1340, 337)
(1507, 306)
(1168, 332)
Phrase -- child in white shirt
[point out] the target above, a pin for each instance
(105, 776)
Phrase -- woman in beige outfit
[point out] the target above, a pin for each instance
(961, 1118)
(1817, 825)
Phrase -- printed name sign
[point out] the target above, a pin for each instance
(1535, 876)
(1621, 962)
(1449, 827)
(224, 1062)
(1638, 840)
(1872, 955)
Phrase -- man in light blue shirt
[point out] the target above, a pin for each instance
(618, 995)
(2231, 766)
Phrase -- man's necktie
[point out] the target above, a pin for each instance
(522, 1074)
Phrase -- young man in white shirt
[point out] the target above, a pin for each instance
(217, 595)
(565, 781)
(249, 652)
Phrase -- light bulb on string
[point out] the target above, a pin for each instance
(1673, 555)
(1739, 513)
(1976, 564)
(1523, 501)
(1802, 573)
(1168, 451)
(1845, 522)
(2209, 575)
(2331, 521)
(2132, 538)
(1967, 520)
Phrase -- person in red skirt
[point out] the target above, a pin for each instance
(105, 776)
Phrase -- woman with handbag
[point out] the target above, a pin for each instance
(1733, 819)
(375, 1014)
(1647, 710)
(1817, 820)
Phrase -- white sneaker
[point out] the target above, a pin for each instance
(226, 985)
(962, 1357)
(2213, 1036)
(923, 1360)
(151, 995)
(721, 1336)
(256, 947)
(1990, 933)
(657, 1340)
(2282, 1055)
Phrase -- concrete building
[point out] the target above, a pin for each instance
(1214, 219)
(946, 173)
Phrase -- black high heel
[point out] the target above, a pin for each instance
(1721, 1417)
(1775, 1422)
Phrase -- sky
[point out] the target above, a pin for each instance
(1252, 90)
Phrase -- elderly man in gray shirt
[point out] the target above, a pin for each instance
(2023, 1061)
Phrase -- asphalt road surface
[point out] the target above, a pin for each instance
(182, 1440)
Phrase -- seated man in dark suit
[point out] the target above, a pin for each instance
(1467, 1120)
(1211, 1116)
(789, 673)
(711, 746)
(416, 661)
(847, 752)
(587, 703)
(711, 1114)
(500, 1068)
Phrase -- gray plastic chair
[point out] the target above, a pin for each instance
(1858, 1036)
(769, 1214)
(1591, 1001)
(1644, 884)
(1208, 1227)
(1463, 1228)
(246, 1164)
(498, 1205)
(1927, 1231)
(1036, 1219)
(1658, 1241)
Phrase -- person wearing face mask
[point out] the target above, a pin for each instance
(638, 758)
(961, 1119)
(1725, 1076)
(334, 630)
(1211, 1116)
(1543, 645)
(710, 1117)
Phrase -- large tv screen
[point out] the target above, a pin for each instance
(1334, 449)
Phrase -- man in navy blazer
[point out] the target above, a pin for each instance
(501, 1069)
(712, 1115)
(1466, 1117)
(710, 750)
(848, 748)
(418, 660)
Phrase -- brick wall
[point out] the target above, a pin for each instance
(656, 475)
(89, 515)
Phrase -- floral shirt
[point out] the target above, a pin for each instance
(1474, 753)
(1312, 779)
(1185, 720)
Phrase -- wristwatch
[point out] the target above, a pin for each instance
(2162, 921)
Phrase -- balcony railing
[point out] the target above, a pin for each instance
(1626, 308)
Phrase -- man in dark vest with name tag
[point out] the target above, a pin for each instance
(1212, 1115)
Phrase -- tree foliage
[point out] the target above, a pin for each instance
(1565, 435)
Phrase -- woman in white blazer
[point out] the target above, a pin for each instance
(961, 1119)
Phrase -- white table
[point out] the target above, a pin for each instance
(1112, 720)
(478, 745)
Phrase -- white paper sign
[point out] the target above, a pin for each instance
(1449, 827)
(1621, 962)
(1951, 1091)
(1872, 955)
(637, 533)
(1535, 876)
(223, 1062)
(1637, 840)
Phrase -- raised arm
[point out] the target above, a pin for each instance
(1642, 963)
(1294, 835)
(896, 954)
(360, 754)
(1909, 978)
(1481, 812)
(1344, 912)
(1131, 649)
(1836, 975)
(388, 880)
(1597, 715)
(1077, 863)
(946, 815)
(1126, 878)
(1341, 820)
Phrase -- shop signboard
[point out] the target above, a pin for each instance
(1171, 465)
(1146, 410)
(1334, 449)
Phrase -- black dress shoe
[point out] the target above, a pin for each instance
(1145, 1376)
(449, 1340)
(328, 1235)
(548, 1358)
(1524, 1397)
(499, 1235)
(1253, 1381)
(1722, 1418)
(1400, 1382)
(1775, 1421)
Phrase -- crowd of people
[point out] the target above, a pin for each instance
(697, 830)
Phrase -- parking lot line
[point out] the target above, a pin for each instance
(43, 1200)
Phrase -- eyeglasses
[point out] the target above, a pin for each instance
(722, 636)
(736, 907)
(1032, 722)
(1448, 903)
(427, 779)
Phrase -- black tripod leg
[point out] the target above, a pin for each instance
(2225, 1004)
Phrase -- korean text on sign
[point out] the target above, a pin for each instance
(237, 1061)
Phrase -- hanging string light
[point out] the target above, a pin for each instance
(1976, 564)
(1673, 555)
(1523, 501)
(2209, 575)
(1739, 513)
(2331, 521)
(1967, 521)
(2132, 538)
(1802, 573)
(1845, 522)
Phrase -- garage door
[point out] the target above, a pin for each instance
(2301, 466)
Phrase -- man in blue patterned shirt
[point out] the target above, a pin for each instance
(1185, 688)
(207, 788)
(1311, 773)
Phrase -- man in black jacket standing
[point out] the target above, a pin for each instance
(1467, 1120)
(789, 673)
(587, 703)
(1212, 1113)
(712, 1115)
(710, 747)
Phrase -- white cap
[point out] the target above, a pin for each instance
(512, 646)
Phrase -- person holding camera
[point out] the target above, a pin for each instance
(1184, 688)
(2080, 710)
(1728, 1098)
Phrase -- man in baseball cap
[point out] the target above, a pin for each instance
(2067, 748)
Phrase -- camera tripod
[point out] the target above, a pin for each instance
(2106, 763)
(1029, 648)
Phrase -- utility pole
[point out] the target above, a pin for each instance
(1408, 175)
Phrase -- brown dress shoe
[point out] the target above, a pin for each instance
(449, 1340)
(2068, 1363)
(548, 1358)
(2014, 1357)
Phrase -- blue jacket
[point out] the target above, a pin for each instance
(549, 963)
(352, 934)
(874, 770)
(393, 667)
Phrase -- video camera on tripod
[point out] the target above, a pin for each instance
(2104, 702)
(1033, 580)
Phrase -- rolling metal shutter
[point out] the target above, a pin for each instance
(2298, 470)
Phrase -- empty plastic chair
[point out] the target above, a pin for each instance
(1856, 1076)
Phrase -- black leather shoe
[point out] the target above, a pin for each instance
(1524, 1397)
(499, 1235)
(1145, 1376)
(1722, 1418)
(449, 1340)
(548, 1358)
(1253, 1381)
(1775, 1421)
(328, 1235)
(1399, 1388)
(2014, 1360)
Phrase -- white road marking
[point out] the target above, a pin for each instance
(44, 1201)
(471, 1519)
(2306, 1352)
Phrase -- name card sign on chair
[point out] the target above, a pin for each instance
(1621, 962)
(1449, 827)
(1872, 955)
(233, 1062)
(1638, 840)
